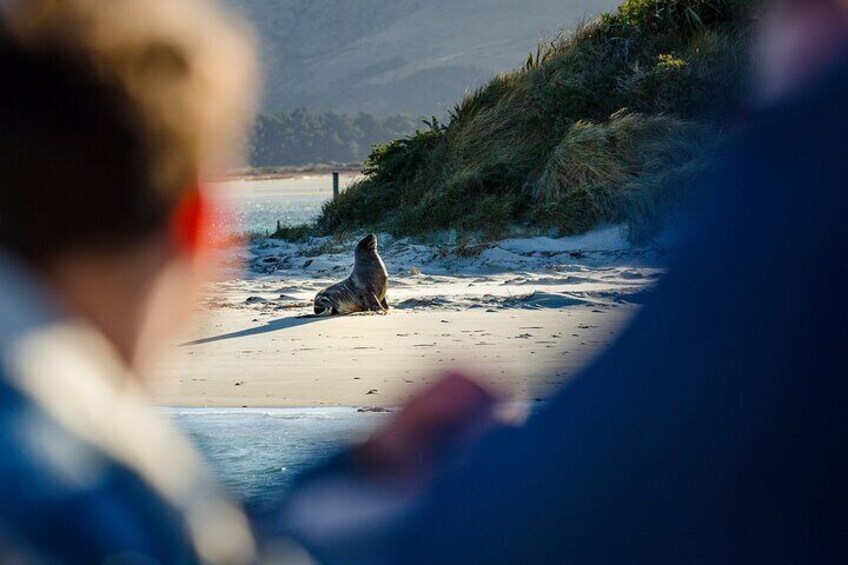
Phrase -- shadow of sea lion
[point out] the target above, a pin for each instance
(271, 326)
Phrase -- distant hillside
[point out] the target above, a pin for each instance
(396, 56)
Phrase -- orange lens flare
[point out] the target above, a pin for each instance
(199, 222)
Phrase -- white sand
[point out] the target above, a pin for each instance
(524, 316)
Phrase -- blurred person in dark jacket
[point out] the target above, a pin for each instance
(112, 115)
(713, 431)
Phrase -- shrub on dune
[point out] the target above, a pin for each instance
(623, 171)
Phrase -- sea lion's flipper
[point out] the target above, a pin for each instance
(375, 305)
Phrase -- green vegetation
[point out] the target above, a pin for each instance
(301, 137)
(608, 124)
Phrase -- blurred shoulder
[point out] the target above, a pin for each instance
(66, 500)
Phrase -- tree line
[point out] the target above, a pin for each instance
(301, 137)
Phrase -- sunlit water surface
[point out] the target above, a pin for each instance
(257, 205)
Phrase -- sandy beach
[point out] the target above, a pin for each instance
(522, 315)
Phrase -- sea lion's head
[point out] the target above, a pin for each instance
(368, 244)
(324, 305)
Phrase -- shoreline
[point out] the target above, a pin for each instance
(522, 315)
(289, 172)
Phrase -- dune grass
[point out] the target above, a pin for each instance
(609, 123)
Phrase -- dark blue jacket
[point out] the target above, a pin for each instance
(716, 429)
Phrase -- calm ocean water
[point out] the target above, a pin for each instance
(257, 205)
(257, 453)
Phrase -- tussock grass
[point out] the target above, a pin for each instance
(624, 170)
(296, 234)
(609, 123)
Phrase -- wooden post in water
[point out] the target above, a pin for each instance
(335, 185)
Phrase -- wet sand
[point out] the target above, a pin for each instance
(367, 360)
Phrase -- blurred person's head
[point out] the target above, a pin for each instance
(798, 40)
(112, 115)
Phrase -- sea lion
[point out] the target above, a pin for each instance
(363, 291)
